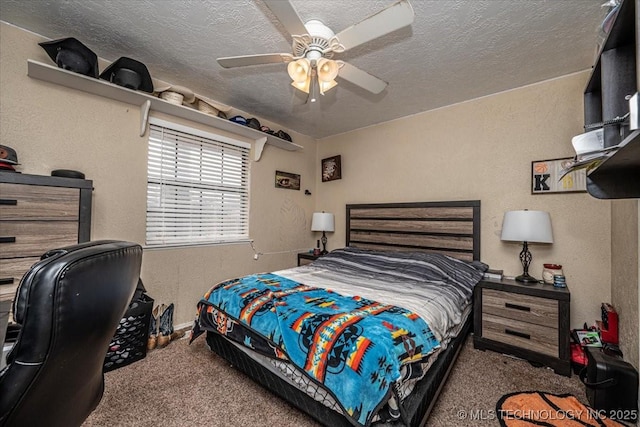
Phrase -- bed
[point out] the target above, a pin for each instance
(367, 334)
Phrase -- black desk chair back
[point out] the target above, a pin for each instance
(69, 305)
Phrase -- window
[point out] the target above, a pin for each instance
(197, 187)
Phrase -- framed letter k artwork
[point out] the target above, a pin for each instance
(547, 176)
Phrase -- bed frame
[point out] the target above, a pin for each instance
(452, 228)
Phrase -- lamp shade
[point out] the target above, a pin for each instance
(527, 226)
(322, 222)
(299, 70)
(327, 69)
(325, 86)
(303, 86)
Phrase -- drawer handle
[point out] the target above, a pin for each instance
(517, 307)
(8, 202)
(6, 281)
(7, 239)
(517, 334)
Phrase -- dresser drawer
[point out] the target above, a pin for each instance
(25, 202)
(13, 268)
(33, 238)
(524, 308)
(529, 336)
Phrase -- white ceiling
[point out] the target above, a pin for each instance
(454, 51)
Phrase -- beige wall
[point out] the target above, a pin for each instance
(482, 149)
(52, 127)
(624, 274)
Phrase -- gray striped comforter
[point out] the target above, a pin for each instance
(434, 286)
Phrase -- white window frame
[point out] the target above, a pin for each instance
(192, 202)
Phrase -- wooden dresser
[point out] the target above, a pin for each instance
(38, 213)
(528, 321)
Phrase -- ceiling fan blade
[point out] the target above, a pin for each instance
(287, 15)
(246, 60)
(362, 78)
(398, 15)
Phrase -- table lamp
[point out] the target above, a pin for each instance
(324, 222)
(528, 227)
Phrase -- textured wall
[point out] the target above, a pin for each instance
(624, 274)
(482, 149)
(52, 127)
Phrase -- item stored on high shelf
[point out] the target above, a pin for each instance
(70, 54)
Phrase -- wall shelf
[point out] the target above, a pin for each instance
(614, 78)
(147, 102)
(618, 177)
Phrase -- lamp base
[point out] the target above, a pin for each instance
(526, 278)
(324, 244)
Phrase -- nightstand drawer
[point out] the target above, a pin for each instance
(529, 336)
(524, 308)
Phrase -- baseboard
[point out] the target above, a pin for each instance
(183, 326)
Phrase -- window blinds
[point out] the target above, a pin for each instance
(197, 187)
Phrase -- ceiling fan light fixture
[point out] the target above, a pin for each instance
(325, 86)
(314, 45)
(303, 85)
(299, 70)
(327, 70)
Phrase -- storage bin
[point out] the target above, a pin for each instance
(611, 385)
(129, 343)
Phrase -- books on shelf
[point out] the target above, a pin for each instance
(493, 274)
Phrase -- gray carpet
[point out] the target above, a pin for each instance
(182, 385)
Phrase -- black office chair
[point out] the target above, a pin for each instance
(69, 305)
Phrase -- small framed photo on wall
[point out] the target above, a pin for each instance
(550, 176)
(331, 168)
(290, 181)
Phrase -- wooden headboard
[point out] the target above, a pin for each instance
(452, 228)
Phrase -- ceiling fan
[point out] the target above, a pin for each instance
(311, 65)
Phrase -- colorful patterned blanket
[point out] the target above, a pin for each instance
(351, 346)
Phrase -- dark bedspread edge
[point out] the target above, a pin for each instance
(419, 404)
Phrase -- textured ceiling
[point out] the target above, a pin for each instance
(454, 51)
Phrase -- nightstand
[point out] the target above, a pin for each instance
(306, 258)
(528, 321)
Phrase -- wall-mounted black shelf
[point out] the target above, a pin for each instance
(618, 177)
(109, 90)
(614, 78)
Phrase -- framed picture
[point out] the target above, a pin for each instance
(287, 180)
(331, 168)
(547, 176)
